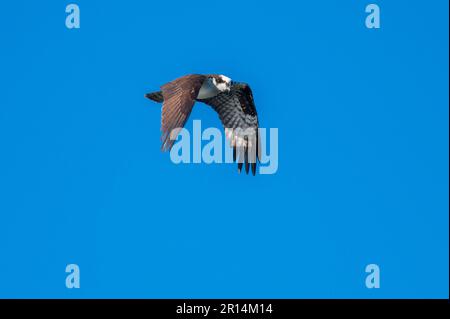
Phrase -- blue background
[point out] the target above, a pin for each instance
(363, 151)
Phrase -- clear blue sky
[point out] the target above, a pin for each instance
(363, 151)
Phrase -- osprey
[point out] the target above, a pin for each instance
(233, 102)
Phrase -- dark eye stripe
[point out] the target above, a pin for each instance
(219, 79)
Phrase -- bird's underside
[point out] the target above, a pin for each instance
(233, 102)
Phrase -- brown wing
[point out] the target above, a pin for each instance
(179, 98)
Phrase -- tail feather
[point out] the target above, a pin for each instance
(155, 96)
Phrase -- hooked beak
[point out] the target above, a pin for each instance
(231, 85)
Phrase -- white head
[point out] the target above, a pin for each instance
(222, 83)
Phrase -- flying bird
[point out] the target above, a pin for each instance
(233, 101)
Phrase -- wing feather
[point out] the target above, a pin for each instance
(179, 99)
(238, 115)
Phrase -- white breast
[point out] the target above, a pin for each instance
(207, 90)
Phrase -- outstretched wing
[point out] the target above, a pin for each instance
(238, 115)
(179, 98)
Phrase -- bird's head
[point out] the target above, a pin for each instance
(222, 83)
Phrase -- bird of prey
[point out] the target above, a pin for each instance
(233, 101)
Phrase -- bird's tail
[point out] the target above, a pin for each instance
(155, 96)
